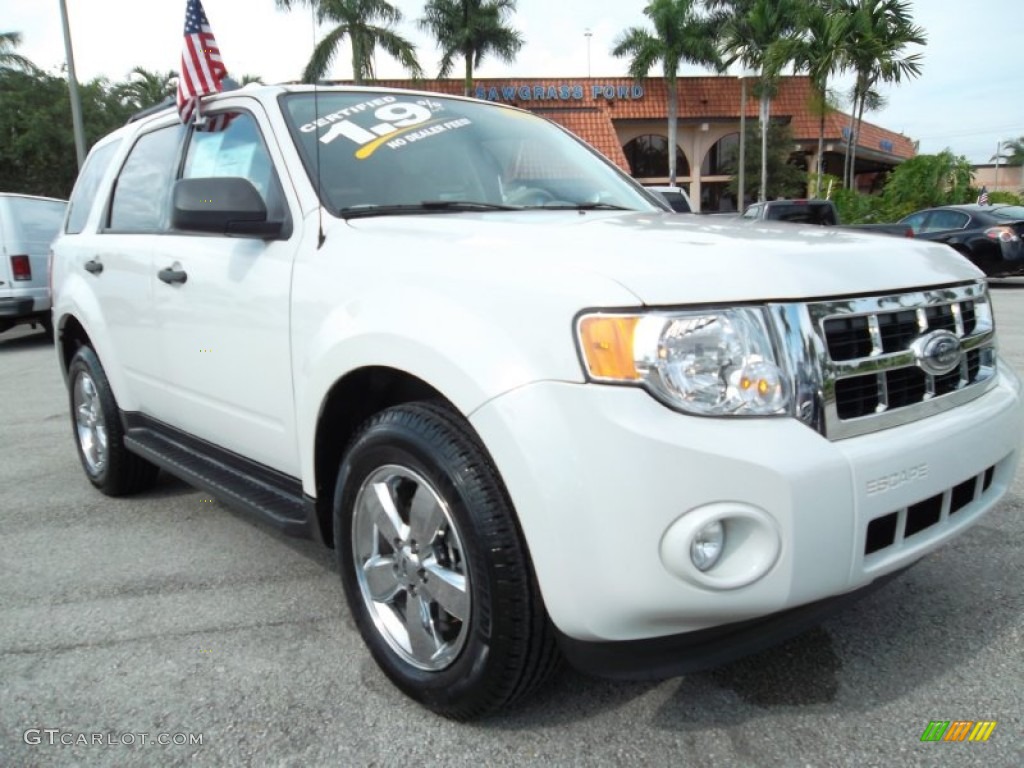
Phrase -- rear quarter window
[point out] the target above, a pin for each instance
(84, 194)
(1010, 213)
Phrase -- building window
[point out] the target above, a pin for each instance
(648, 157)
(715, 196)
(721, 158)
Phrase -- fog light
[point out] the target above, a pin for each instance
(707, 545)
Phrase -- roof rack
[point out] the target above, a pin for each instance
(151, 110)
(227, 84)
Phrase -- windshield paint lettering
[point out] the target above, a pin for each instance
(334, 117)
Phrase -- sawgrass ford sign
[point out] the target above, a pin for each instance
(560, 92)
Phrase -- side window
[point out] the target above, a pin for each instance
(943, 220)
(915, 221)
(87, 186)
(237, 150)
(142, 193)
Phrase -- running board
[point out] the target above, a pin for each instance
(239, 483)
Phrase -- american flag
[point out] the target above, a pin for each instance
(201, 67)
(983, 197)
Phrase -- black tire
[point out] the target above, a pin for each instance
(119, 472)
(506, 646)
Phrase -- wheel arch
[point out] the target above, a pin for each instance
(352, 399)
(71, 335)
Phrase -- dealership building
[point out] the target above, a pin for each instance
(627, 121)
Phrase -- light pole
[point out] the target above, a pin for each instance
(740, 196)
(997, 158)
(588, 34)
(76, 104)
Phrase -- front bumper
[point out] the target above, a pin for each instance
(599, 474)
(660, 657)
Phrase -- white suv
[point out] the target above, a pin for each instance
(534, 413)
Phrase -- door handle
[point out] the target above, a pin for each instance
(170, 275)
(94, 267)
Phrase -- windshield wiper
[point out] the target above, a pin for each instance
(426, 206)
(581, 207)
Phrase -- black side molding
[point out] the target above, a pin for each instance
(242, 484)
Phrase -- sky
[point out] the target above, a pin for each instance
(969, 97)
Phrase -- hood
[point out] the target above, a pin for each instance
(666, 259)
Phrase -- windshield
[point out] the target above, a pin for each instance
(382, 151)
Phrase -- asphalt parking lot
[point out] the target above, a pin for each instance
(167, 614)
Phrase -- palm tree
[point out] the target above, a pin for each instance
(878, 33)
(368, 25)
(144, 88)
(756, 33)
(471, 29)
(8, 58)
(680, 36)
(819, 50)
(1011, 152)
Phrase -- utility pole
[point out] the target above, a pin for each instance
(76, 102)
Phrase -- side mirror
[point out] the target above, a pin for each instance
(223, 206)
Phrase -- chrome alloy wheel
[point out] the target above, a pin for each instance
(90, 424)
(411, 567)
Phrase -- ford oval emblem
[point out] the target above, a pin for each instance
(938, 352)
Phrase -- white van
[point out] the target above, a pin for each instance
(28, 225)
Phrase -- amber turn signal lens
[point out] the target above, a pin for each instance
(607, 342)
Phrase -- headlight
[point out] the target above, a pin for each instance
(709, 362)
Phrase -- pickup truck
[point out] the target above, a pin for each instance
(818, 212)
(535, 414)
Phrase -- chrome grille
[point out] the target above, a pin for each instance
(874, 377)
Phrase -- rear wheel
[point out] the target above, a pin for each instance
(99, 436)
(434, 567)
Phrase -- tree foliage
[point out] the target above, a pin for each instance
(1011, 152)
(877, 36)
(819, 50)
(368, 25)
(680, 36)
(784, 178)
(8, 58)
(37, 147)
(920, 182)
(757, 34)
(927, 180)
(472, 29)
(145, 88)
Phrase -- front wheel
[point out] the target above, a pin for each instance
(434, 567)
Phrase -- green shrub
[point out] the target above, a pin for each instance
(1005, 198)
